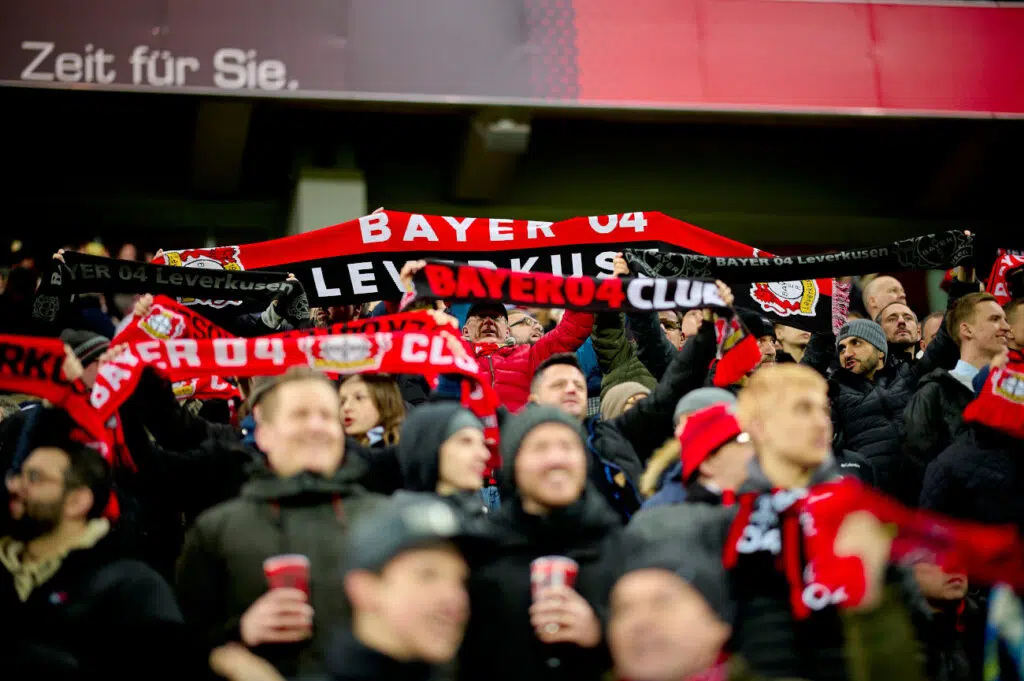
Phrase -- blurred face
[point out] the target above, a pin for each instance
(463, 459)
(301, 430)
(37, 494)
(525, 329)
(550, 468)
(661, 629)
(859, 357)
(673, 328)
(728, 466)
(767, 346)
(799, 429)
(987, 330)
(1015, 338)
(900, 325)
(929, 330)
(938, 585)
(885, 290)
(358, 410)
(486, 327)
(789, 337)
(89, 374)
(421, 595)
(564, 387)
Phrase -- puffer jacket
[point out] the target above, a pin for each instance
(616, 354)
(934, 418)
(510, 369)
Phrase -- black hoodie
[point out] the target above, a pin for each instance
(500, 642)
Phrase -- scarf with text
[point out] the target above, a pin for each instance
(799, 528)
(738, 351)
(934, 251)
(360, 260)
(802, 303)
(999, 284)
(428, 353)
(1000, 404)
(213, 281)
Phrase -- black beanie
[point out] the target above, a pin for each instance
(425, 429)
(515, 430)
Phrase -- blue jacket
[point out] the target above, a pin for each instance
(671, 490)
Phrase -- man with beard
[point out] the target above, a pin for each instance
(300, 502)
(929, 329)
(76, 609)
(515, 633)
(405, 577)
(901, 331)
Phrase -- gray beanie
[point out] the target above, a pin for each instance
(866, 330)
(701, 398)
(515, 430)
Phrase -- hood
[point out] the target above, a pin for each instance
(419, 447)
(589, 518)
(757, 482)
(298, 489)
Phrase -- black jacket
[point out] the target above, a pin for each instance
(220, 573)
(979, 477)
(934, 418)
(652, 347)
(100, 616)
(350, 660)
(500, 643)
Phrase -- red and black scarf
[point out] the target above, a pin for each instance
(799, 528)
(738, 350)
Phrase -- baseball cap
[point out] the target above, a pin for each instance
(705, 432)
(496, 309)
(406, 521)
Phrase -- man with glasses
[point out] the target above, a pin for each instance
(81, 610)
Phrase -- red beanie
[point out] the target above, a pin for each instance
(705, 432)
(1000, 404)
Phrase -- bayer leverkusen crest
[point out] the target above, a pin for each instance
(346, 354)
(786, 298)
(219, 258)
(162, 324)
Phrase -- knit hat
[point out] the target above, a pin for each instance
(864, 329)
(758, 325)
(87, 345)
(516, 428)
(705, 432)
(614, 402)
(701, 398)
(699, 568)
(424, 431)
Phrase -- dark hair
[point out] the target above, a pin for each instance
(963, 310)
(562, 358)
(1013, 305)
(86, 466)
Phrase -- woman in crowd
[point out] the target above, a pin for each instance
(372, 409)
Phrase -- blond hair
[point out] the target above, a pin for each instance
(760, 393)
(660, 461)
(268, 401)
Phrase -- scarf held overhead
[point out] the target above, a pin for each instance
(214, 280)
(738, 351)
(360, 260)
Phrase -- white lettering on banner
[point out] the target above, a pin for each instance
(534, 226)
(635, 293)
(114, 374)
(374, 228)
(182, 351)
(270, 349)
(419, 348)
(321, 286)
(501, 229)
(394, 273)
(149, 352)
(362, 281)
(518, 266)
(68, 67)
(460, 226)
(217, 383)
(411, 348)
(818, 596)
(756, 539)
(577, 265)
(483, 263)
(229, 352)
(98, 396)
(606, 263)
(606, 224)
(419, 228)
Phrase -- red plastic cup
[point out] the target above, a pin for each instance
(548, 571)
(290, 571)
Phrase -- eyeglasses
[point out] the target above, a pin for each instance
(670, 326)
(526, 320)
(31, 476)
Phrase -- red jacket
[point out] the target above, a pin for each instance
(510, 369)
